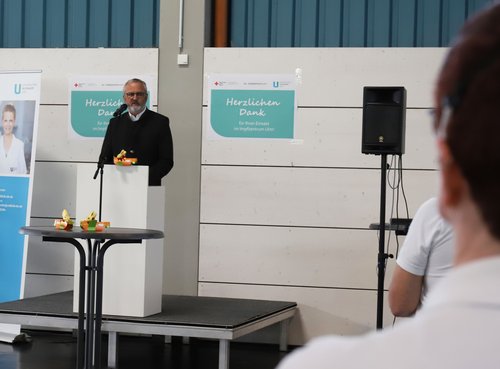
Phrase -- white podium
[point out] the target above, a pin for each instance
(133, 273)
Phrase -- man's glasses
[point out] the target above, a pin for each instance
(138, 94)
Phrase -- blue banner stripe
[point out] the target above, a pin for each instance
(13, 211)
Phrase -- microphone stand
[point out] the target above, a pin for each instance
(100, 169)
(100, 164)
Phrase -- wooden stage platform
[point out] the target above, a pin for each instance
(223, 319)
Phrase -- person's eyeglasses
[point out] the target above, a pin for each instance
(138, 94)
(441, 126)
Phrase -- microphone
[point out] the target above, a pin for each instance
(100, 165)
(120, 110)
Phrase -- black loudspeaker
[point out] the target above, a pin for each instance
(384, 120)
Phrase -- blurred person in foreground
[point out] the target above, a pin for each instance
(459, 326)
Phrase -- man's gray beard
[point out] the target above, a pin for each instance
(136, 109)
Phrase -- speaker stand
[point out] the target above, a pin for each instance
(382, 255)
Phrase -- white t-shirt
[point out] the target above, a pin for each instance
(428, 247)
(458, 327)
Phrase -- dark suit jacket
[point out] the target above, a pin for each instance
(149, 140)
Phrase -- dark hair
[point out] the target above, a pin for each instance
(469, 86)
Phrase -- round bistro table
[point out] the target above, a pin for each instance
(91, 278)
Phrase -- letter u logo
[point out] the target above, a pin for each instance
(17, 88)
(276, 84)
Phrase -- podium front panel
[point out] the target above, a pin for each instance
(133, 273)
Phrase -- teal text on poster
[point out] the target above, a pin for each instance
(92, 110)
(253, 113)
(13, 209)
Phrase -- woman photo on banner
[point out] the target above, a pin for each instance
(12, 156)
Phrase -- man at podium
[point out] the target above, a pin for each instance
(142, 133)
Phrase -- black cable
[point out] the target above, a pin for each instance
(403, 188)
(394, 185)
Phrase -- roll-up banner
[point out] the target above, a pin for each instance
(19, 108)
